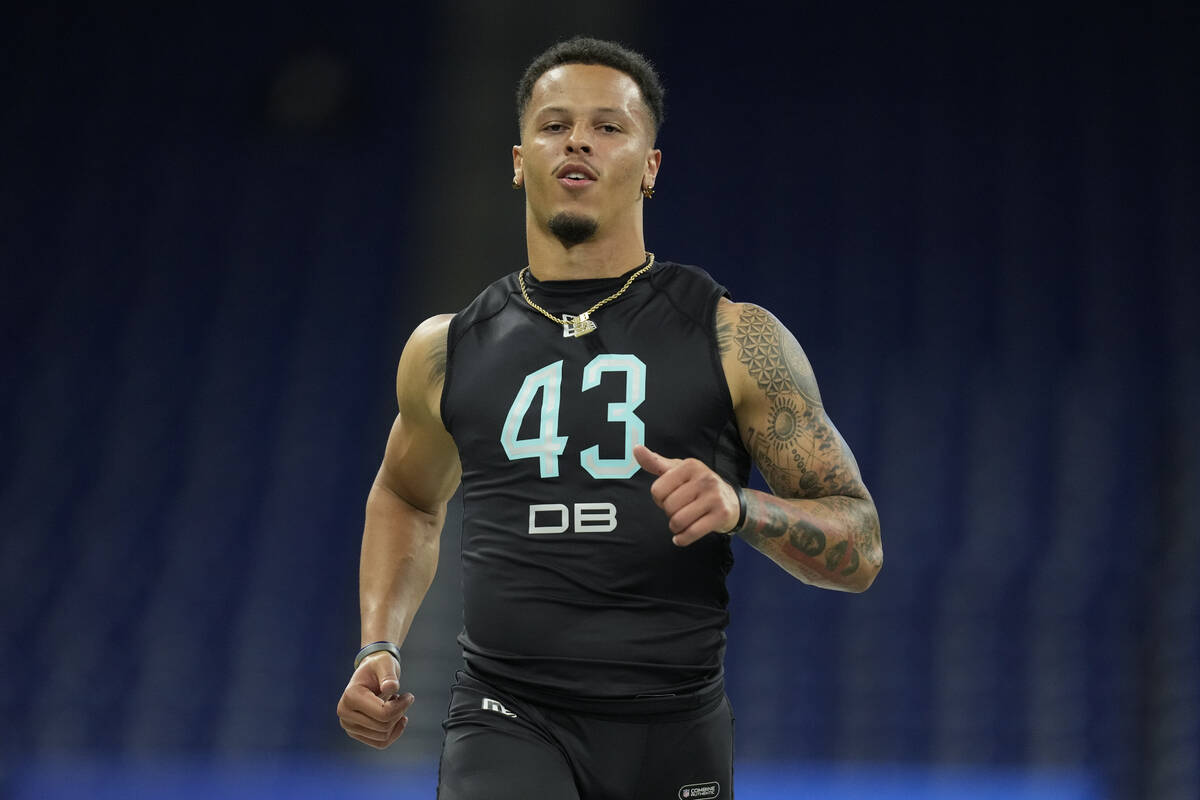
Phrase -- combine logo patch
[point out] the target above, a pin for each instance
(700, 790)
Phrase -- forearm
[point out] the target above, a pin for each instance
(831, 542)
(397, 565)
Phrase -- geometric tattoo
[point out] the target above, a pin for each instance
(777, 365)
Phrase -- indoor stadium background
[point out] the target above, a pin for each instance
(219, 223)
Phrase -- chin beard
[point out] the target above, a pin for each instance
(571, 229)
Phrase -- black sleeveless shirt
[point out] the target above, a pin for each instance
(573, 592)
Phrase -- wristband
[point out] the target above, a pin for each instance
(375, 647)
(741, 493)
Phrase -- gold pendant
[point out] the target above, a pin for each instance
(577, 326)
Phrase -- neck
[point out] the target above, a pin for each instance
(599, 257)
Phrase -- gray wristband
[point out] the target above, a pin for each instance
(376, 647)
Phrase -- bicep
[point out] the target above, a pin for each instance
(420, 462)
(781, 417)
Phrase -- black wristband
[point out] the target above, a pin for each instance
(741, 493)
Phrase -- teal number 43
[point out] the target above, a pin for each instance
(548, 446)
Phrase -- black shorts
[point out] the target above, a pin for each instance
(501, 748)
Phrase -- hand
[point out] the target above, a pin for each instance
(697, 500)
(372, 710)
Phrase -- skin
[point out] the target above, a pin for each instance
(820, 524)
(594, 116)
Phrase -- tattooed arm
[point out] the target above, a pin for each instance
(821, 524)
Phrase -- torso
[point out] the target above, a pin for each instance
(572, 586)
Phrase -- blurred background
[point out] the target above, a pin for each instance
(219, 223)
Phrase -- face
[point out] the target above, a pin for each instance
(587, 145)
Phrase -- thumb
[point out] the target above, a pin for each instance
(651, 461)
(386, 676)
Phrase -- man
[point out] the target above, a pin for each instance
(601, 409)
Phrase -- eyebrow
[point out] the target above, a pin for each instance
(563, 110)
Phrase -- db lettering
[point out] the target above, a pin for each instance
(586, 518)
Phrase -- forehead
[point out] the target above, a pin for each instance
(587, 85)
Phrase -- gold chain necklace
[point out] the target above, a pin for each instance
(582, 324)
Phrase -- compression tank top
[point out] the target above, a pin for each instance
(572, 588)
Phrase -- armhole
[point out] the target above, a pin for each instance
(451, 342)
(464, 320)
(695, 281)
(714, 350)
(730, 458)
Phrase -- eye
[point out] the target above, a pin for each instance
(608, 127)
(554, 127)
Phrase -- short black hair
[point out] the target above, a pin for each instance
(584, 50)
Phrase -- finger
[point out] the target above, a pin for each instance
(398, 706)
(698, 529)
(401, 703)
(371, 719)
(385, 671)
(360, 721)
(651, 461)
(397, 733)
(680, 498)
(358, 698)
(376, 740)
(687, 515)
(680, 474)
(363, 698)
(389, 681)
(365, 734)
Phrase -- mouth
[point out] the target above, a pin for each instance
(575, 175)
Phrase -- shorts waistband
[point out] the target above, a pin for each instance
(642, 708)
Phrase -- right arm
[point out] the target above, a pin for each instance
(406, 507)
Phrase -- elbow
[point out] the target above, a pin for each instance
(871, 558)
(872, 563)
(386, 505)
(868, 559)
(867, 576)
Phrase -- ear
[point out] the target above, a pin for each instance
(518, 164)
(653, 162)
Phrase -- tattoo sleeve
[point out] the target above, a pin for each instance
(821, 524)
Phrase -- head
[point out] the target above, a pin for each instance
(582, 50)
(589, 114)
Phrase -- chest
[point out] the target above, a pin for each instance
(523, 398)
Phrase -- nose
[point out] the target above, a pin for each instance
(580, 140)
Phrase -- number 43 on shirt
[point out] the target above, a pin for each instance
(548, 446)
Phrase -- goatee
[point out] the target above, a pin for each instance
(571, 229)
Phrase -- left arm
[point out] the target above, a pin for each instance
(820, 524)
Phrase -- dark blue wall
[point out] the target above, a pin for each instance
(982, 229)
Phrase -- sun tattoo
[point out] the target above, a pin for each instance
(783, 421)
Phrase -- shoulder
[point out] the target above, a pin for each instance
(422, 368)
(747, 317)
(428, 338)
(759, 354)
(685, 278)
(487, 304)
(690, 290)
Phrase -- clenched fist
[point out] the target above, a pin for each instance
(372, 710)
